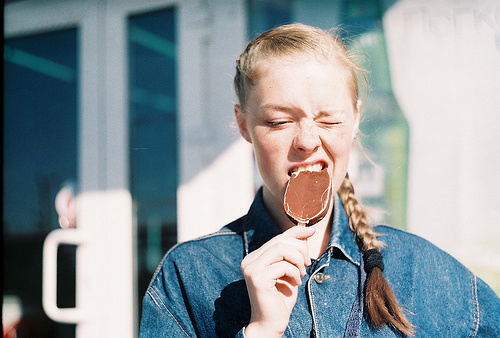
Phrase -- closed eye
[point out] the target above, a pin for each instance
(277, 123)
(329, 123)
(329, 119)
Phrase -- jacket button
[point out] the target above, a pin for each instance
(320, 277)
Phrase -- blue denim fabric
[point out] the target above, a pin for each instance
(199, 289)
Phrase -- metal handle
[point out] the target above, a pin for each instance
(49, 286)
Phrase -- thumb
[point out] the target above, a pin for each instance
(299, 232)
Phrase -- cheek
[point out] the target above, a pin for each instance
(339, 149)
(267, 153)
(338, 145)
(271, 154)
(269, 143)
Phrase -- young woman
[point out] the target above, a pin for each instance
(262, 276)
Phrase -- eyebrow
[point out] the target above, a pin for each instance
(330, 112)
(291, 109)
(271, 106)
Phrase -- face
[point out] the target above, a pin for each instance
(299, 113)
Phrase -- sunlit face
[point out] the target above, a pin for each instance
(298, 113)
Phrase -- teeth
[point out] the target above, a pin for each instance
(315, 167)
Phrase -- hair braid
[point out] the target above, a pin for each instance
(380, 301)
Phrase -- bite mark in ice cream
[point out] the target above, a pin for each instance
(307, 196)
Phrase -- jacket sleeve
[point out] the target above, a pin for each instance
(164, 312)
(488, 311)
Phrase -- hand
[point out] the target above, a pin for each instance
(65, 204)
(273, 274)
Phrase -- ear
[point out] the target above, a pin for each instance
(357, 118)
(241, 119)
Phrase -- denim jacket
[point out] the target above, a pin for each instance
(199, 290)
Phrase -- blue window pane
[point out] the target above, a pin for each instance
(265, 14)
(39, 128)
(153, 130)
(40, 154)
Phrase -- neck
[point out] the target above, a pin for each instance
(318, 242)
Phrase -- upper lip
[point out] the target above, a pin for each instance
(306, 164)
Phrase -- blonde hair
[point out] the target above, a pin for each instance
(380, 301)
(381, 304)
(290, 40)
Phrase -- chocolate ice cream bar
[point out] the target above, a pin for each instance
(307, 196)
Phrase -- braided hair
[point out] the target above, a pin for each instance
(380, 301)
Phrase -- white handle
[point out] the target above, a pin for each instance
(49, 296)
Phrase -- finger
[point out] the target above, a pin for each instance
(299, 232)
(280, 248)
(287, 273)
(279, 272)
(258, 268)
(286, 286)
(292, 233)
(284, 252)
(293, 236)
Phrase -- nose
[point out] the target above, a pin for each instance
(306, 139)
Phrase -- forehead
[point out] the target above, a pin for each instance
(264, 64)
(300, 74)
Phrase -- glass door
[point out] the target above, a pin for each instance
(40, 157)
(91, 108)
(153, 131)
(110, 100)
(66, 125)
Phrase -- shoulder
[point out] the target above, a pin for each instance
(398, 236)
(213, 259)
(189, 280)
(227, 236)
(417, 266)
(414, 257)
(413, 248)
(437, 289)
(225, 246)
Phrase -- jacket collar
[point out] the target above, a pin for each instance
(342, 237)
(259, 227)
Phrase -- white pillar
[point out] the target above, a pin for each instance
(445, 65)
(216, 168)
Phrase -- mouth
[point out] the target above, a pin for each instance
(316, 167)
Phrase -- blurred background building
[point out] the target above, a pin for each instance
(130, 105)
